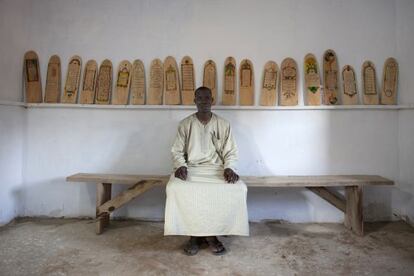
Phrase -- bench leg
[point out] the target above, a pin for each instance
(353, 213)
(103, 194)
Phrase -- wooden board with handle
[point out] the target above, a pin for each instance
(369, 84)
(246, 83)
(138, 83)
(53, 80)
(389, 82)
(229, 96)
(156, 83)
(187, 80)
(172, 94)
(73, 74)
(268, 95)
(330, 78)
(32, 78)
(312, 80)
(123, 81)
(288, 82)
(104, 83)
(90, 74)
(210, 78)
(350, 88)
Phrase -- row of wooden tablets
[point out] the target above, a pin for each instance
(166, 87)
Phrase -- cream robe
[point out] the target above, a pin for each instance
(204, 204)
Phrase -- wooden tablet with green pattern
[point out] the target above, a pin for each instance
(312, 80)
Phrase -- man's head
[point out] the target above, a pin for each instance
(203, 99)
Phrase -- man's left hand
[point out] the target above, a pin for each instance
(230, 176)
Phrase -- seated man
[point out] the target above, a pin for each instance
(205, 197)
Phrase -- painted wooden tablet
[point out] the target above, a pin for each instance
(246, 75)
(123, 81)
(172, 94)
(156, 83)
(349, 83)
(104, 83)
(90, 73)
(187, 80)
(229, 82)
(53, 80)
(288, 82)
(268, 95)
(330, 78)
(369, 83)
(70, 93)
(138, 82)
(389, 82)
(210, 78)
(312, 80)
(32, 78)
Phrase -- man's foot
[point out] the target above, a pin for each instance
(192, 246)
(217, 248)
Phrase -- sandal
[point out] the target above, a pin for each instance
(217, 248)
(192, 246)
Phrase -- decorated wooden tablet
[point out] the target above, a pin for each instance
(349, 83)
(229, 82)
(288, 82)
(123, 81)
(187, 80)
(53, 80)
(90, 73)
(389, 82)
(32, 78)
(210, 78)
(172, 95)
(330, 78)
(268, 95)
(70, 92)
(104, 83)
(312, 80)
(246, 84)
(138, 83)
(369, 83)
(156, 83)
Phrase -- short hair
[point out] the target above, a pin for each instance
(202, 88)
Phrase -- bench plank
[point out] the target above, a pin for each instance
(251, 181)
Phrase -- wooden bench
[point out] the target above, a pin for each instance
(350, 204)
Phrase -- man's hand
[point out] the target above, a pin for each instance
(181, 173)
(230, 176)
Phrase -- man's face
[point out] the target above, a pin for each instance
(203, 100)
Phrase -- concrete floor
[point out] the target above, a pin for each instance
(70, 247)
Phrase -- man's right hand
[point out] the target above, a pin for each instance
(181, 173)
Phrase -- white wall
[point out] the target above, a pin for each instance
(65, 141)
(11, 159)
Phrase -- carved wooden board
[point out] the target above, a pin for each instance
(156, 83)
(32, 78)
(104, 83)
(312, 80)
(90, 73)
(172, 93)
(350, 88)
(268, 95)
(210, 78)
(246, 84)
(187, 80)
(123, 81)
(53, 80)
(288, 82)
(369, 83)
(229, 82)
(389, 82)
(138, 82)
(330, 78)
(70, 92)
